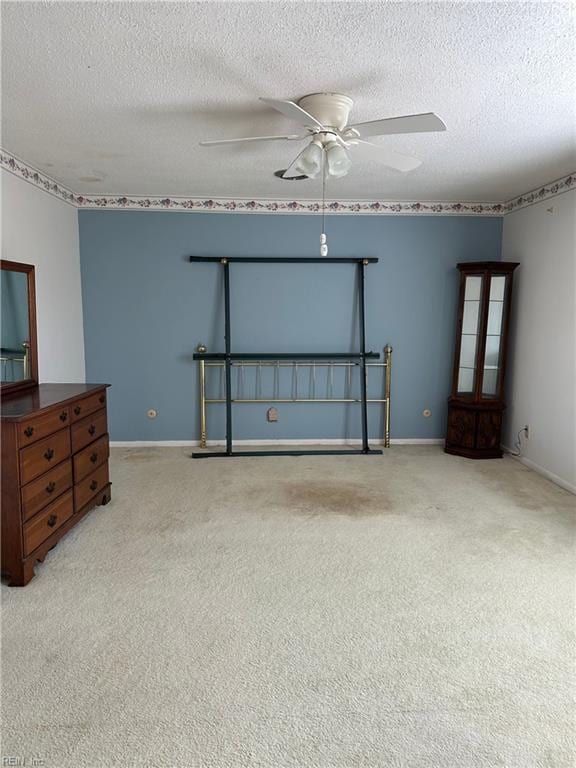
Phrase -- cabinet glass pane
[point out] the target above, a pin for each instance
(469, 340)
(465, 380)
(493, 338)
(492, 352)
(497, 285)
(468, 351)
(495, 317)
(470, 317)
(489, 382)
(472, 289)
(472, 292)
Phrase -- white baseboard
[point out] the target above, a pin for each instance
(541, 470)
(417, 441)
(155, 443)
(317, 441)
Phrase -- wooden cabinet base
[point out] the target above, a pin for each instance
(474, 430)
(23, 572)
(473, 454)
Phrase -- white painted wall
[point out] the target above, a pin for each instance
(542, 363)
(39, 229)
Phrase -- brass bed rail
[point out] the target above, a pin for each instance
(296, 366)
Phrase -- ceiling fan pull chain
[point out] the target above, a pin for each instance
(323, 243)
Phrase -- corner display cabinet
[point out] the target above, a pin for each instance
(476, 404)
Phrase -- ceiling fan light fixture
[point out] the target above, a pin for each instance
(338, 162)
(309, 161)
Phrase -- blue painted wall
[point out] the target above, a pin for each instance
(146, 308)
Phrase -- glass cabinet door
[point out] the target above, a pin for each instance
(490, 374)
(470, 329)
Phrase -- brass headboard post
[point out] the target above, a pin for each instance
(387, 389)
(202, 348)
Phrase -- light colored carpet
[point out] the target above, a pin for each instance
(414, 610)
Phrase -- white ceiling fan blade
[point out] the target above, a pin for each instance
(294, 112)
(290, 137)
(424, 123)
(385, 156)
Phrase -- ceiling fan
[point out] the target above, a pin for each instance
(325, 118)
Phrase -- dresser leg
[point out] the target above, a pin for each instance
(22, 574)
(106, 497)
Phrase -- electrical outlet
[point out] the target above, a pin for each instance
(272, 414)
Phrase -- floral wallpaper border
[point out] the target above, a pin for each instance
(20, 168)
(558, 187)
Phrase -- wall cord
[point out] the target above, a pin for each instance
(518, 443)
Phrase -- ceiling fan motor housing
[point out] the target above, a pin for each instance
(330, 109)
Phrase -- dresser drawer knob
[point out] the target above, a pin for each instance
(93, 485)
(52, 520)
(63, 416)
(49, 454)
(91, 429)
(50, 487)
(102, 398)
(77, 410)
(29, 431)
(94, 458)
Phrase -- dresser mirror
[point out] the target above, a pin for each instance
(18, 354)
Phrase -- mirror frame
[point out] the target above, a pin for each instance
(32, 381)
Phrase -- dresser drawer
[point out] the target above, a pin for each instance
(45, 489)
(91, 457)
(82, 408)
(43, 455)
(45, 523)
(88, 430)
(90, 486)
(31, 430)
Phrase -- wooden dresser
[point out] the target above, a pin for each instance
(54, 469)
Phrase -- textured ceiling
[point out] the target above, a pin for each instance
(124, 92)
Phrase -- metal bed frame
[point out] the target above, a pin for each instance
(228, 359)
(295, 366)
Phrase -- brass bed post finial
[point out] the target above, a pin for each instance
(202, 348)
(387, 388)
